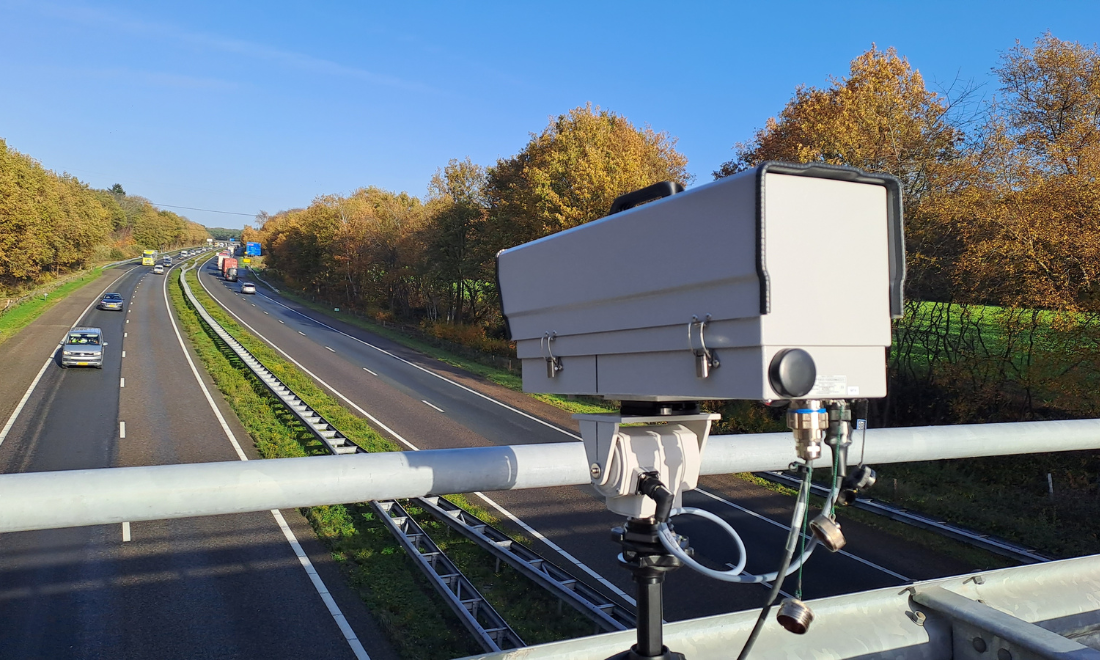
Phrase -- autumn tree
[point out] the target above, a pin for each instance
(455, 240)
(571, 172)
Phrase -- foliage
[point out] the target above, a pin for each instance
(570, 173)
(389, 254)
(52, 224)
(224, 233)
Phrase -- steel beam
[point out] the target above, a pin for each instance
(45, 500)
(892, 623)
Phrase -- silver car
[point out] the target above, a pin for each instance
(158, 270)
(83, 347)
(111, 301)
(248, 287)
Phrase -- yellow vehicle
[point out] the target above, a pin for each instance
(149, 258)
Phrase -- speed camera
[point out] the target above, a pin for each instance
(777, 283)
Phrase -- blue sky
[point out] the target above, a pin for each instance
(263, 106)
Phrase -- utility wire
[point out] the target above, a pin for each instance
(191, 208)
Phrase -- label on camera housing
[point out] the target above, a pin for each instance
(830, 387)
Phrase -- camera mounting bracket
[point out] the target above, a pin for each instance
(622, 448)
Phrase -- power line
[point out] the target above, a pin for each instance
(191, 208)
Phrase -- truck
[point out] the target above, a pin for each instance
(222, 256)
(229, 264)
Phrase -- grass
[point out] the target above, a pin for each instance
(419, 624)
(976, 557)
(21, 315)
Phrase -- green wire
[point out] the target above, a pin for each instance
(802, 540)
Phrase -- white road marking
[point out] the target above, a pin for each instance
(122, 382)
(127, 320)
(318, 584)
(125, 532)
(432, 405)
(560, 550)
(429, 371)
(397, 436)
(281, 321)
(301, 333)
(267, 314)
(787, 527)
(548, 424)
(330, 349)
(369, 371)
(123, 353)
(34, 383)
(122, 430)
(125, 334)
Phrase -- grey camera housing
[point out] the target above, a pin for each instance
(717, 292)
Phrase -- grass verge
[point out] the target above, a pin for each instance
(19, 316)
(419, 624)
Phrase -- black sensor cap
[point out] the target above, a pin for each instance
(792, 373)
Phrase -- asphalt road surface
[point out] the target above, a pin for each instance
(425, 404)
(218, 587)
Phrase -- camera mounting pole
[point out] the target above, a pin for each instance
(642, 471)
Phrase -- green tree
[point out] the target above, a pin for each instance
(457, 211)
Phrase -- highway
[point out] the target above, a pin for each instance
(226, 587)
(424, 404)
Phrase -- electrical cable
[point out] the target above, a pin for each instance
(800, 508)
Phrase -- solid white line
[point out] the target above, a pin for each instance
(318, 584)
(34, 383)
(122, 430)
(322, 590)
(330, 349)
(369, 371)
(504, 512)
(428, 371)
(560, 550)
(432, 405)
(548, 424)
(787, 527)
(122, 382)
(125, 532)
(23, 401)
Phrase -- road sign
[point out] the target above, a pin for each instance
(247, 261)
(252, 249)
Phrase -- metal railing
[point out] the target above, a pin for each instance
(607, 614)
(335, 441)
(477, 614)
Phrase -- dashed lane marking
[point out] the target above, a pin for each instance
(34, 383)
(330, 349)
(301, 333)
(125, 532)
(397, 436)
(123, 353)
(432, 405)
(122, 382)
(333, 609)
(122, 429)
(369, 371)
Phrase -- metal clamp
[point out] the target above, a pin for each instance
(553, 364)
(705, 360)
